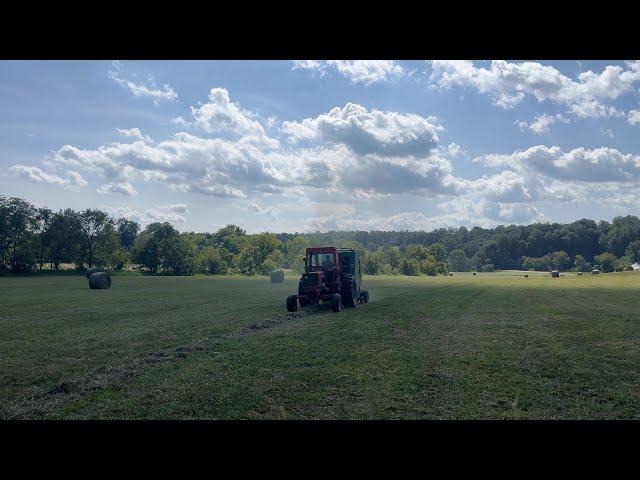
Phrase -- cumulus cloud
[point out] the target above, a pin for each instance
(76, 179)
(383, 153)
(542, 123)
(37, 175)
(401, 221)
(118, 188)
(220, 114)
(580, 164)
(464, 211)
(508, 83)
(263, 210)
(149, 89)
(362, 155)
(180, 122)
(607, 131)
(633, 117)
(173, 213)
(369, 132)
(470, 210)
(204, 188)
(357, 71)
(507, 186)
(454, 150)
(186, 162)
(133, 133)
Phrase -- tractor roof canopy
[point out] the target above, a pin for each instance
(329, 250)
(312, 250)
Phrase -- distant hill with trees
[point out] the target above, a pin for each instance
(36, 239)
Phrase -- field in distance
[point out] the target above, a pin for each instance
(494, 345)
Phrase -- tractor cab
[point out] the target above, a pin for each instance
(321, 269)
(330, 275)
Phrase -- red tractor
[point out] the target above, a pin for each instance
(331, 275)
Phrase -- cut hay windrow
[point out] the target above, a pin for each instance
(100, 280)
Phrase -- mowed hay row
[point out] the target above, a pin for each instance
(100, 281)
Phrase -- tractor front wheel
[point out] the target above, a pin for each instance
(336, 302)
(292, 303)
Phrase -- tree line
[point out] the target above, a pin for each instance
(36, 238)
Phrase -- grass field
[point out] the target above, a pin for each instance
(462, 347)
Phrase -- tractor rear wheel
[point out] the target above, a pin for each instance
(349, 293)
(365, 296)
(292, 303)
(336, 302)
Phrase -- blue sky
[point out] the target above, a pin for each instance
(320, 145)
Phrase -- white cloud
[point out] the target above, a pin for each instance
(580, 164)
(359, 154)
(186, 162)
(369, 132)
(119, 188)
(454, 150)
(37, 175)
(633, 117)
(180, 122)
(542, 123)
(133, 133)
(470, 210)
(221, 191)
(76, 179)
(220, 114)
(465, 211)
(373, 153)
(175, 207)
(148, 89)
(383, 152)
(607, 131)
(262, 210)
(173, 213)
(508, 83)
(507, 186)
(357, 71)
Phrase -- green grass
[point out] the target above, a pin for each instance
(461, 347)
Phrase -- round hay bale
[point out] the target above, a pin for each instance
(579, 273)
(555, 273)
(92, 270)
(526, 276)
(595, 271)
(474, 273)
(100, 280)
(277, 276)
(450, 274)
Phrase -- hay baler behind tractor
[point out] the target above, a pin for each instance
(331, 275)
